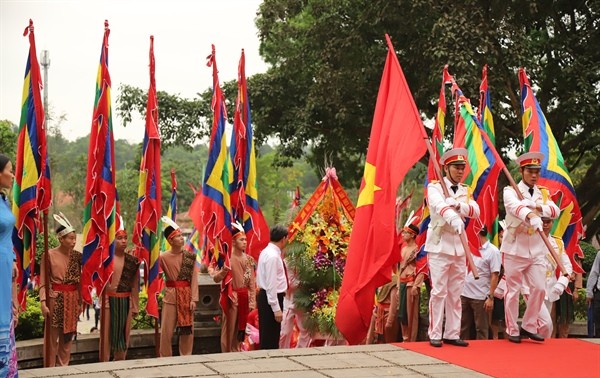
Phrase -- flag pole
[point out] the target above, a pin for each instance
(103, 325)
(47, 323)
(438, 174)
(513, 184)
(156, 338)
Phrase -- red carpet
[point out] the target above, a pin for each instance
(499, 358)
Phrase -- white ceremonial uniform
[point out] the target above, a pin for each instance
(446, 258)
(524, 254)
(554, 287)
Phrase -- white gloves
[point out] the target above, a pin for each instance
(536, 223)
(528, 203)
(558, 288)
(457, 225)
(451, 202)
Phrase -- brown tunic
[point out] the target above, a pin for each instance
(242, 276)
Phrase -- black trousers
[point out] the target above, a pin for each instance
(268, 328)
(596, 312)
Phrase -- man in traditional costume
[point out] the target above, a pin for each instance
(181, 293)
(411, 275)
(523, 249)
(238, 291)
(445, 251)
(61, 303)
(121, 299)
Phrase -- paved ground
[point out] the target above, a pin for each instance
(342, 361)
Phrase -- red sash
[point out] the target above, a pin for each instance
(178, 283)
(126, 294)
(243, 308)
(64, 287)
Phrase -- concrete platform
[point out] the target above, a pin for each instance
(341, 361)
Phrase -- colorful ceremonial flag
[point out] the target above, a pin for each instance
(99, 217)
(484, 115)
(32, 192)
(244, 193)
(483, 170)
(484, 111)
(437, 140)
(296, 199)
(396, 123)
(171, 211)
(218, 177)
(146, 232)
(554, 174)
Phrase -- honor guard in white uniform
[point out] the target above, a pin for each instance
(523, 249)
(445, 252)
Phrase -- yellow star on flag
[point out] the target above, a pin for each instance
(367, 194)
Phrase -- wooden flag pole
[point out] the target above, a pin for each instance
(463, 238)
(156, 338)
(513, 184)
(103, 325)
(438, 173)
(47, 322)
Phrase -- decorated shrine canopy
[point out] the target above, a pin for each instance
(330, 181)
(316, 256)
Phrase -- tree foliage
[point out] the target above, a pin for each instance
(327, 56)
(8, 139)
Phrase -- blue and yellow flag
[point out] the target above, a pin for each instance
(100, 211)
(437, 140)
(218, 177)
(483, 169)
(146, 232)
(244, 191)
(554, 174)
(32, 192)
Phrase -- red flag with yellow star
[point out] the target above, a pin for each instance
(397, 142)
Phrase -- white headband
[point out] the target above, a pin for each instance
(63, 221)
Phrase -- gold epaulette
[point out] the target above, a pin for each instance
(560, 243)
(434, 181)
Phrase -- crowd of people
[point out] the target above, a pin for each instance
(257, 297)
(464, 307)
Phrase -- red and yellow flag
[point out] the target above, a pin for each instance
(397, 142)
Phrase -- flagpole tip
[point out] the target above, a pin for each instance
(105, 24)
(152, 38)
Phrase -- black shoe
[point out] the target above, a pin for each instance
(457, 342)
(532, 336)
(435, 343)
(514, 339)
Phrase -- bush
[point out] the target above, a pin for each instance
(31, 321)
(589, 254)
(143, 320)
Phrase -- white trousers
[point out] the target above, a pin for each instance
(532, 272)
(447, 274)
(287, 329)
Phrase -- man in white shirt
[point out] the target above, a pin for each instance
(477, 298)
(445, 252)
(271, 278)
(523, 249)
(592, 294)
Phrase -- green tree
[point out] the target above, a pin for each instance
(8, 139)
(327, 56)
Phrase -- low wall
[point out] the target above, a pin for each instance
(142, 343)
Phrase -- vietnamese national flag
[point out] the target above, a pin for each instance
(397, 142)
